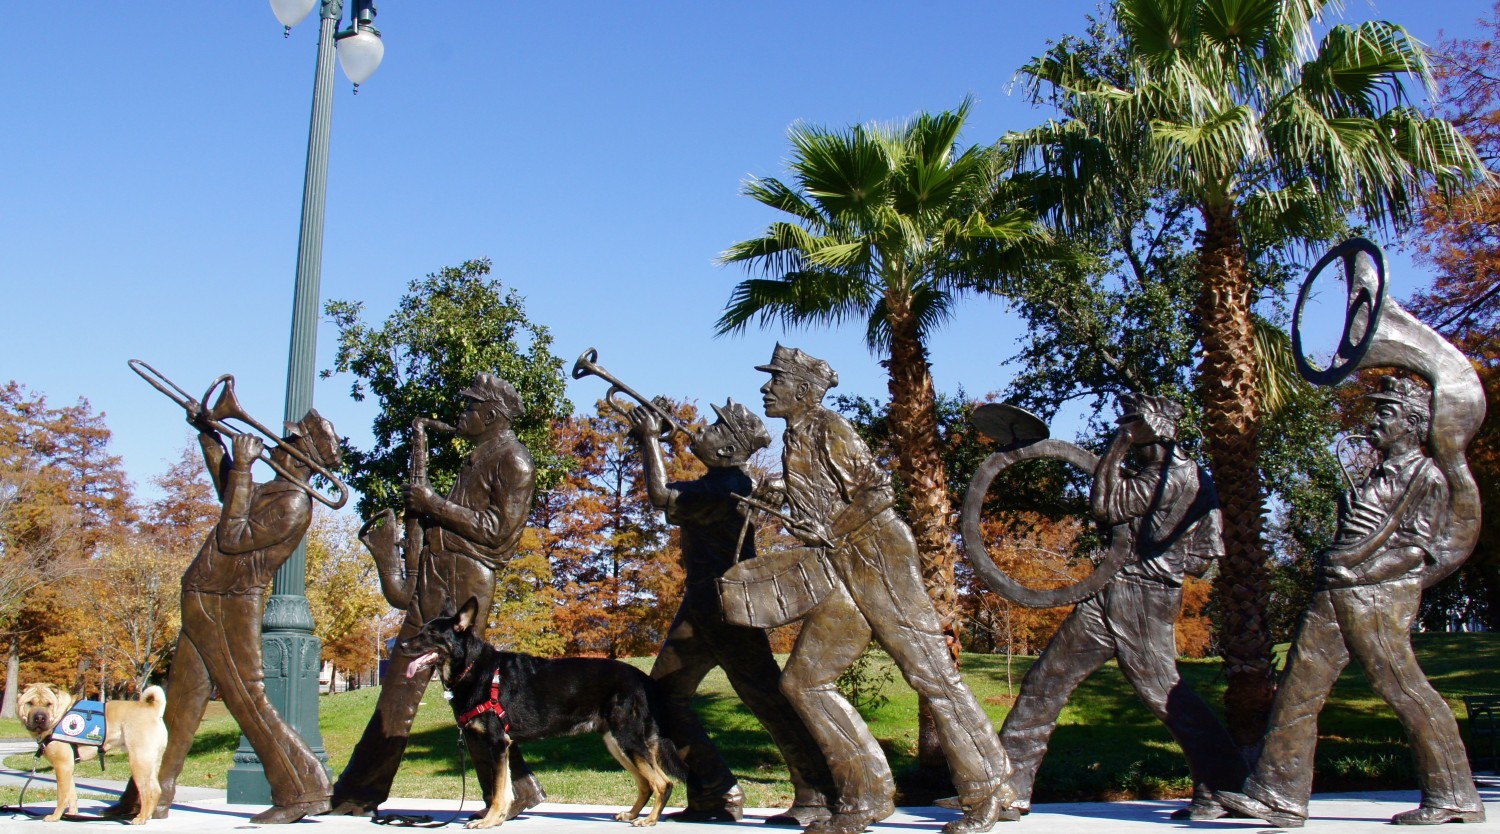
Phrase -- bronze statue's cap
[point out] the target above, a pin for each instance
(488, 388)
(1149, 405)
(1407, 393)
(793, 361)
(323, 441)
(746, 426)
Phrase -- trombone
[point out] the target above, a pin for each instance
(587, 365)
(227, 407)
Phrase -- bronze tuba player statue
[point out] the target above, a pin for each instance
(1409, 522)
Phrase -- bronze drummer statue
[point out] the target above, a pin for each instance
(717, 532)
(1409, 522)
(452, 552)
(839, 501)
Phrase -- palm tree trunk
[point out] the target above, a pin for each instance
(924, 477)
(1231, 427)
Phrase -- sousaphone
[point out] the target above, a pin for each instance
(1023, 436)
(1378, 333)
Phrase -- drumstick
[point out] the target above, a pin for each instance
(767, 508)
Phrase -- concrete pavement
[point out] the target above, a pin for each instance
(205, 809)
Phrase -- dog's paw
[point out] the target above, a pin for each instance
(484, 822)
(641, 822)
(625, 816)
(54, 816)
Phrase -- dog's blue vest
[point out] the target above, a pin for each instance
(84, 724)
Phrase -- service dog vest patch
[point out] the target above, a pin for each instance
(84, 724)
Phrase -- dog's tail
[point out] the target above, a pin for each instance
(156, 697)
(671, 759)
(668, 755)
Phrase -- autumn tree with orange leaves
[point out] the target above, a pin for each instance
(614, 559)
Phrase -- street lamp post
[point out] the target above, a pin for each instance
(292, 652)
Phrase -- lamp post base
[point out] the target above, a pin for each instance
(293, 656)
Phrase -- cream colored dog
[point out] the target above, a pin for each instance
(134, 726)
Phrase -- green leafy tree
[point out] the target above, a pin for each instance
(449, 326)
(1273, 136)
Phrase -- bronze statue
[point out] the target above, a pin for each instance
(716, 533)
(1165, 516)
(451, 553)
(1409, 522)
(223, 596)
(861, 578)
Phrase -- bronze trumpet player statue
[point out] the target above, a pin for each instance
(717, 532)
(450, 551)
(1412, 520)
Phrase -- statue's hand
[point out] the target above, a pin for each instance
(246, 448)
(810, 532)
(419, 498)
(644, 423)
(1337, 576)
(197, 416)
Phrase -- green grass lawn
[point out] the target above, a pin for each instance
(1107, 745)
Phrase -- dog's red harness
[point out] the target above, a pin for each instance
(492, 705)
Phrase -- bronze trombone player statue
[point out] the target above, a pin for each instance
(860, 578)
(717, 532)
(223, 596)
(1412, 520)
(1164, 524)
(452, 547)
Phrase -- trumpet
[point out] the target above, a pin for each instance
(227, 407)
(587, 365)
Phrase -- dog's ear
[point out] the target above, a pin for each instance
(467, 615)
(447, 609)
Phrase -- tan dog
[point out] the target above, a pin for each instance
(134, 726)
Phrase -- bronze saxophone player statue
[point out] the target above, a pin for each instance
(1409, 522)
(450, 550)
(857, 579)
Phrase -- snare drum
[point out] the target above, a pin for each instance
(775, 589)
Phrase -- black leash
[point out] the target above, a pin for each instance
(426, 820)
(20, 806)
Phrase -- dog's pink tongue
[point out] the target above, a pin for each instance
(421, 663)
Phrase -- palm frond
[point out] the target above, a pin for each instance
(776, 194)
(797, 299)
(1275, 368)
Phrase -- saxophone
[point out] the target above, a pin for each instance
(398, 561)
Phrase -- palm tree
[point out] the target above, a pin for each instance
(889, 226)
(1275, 138)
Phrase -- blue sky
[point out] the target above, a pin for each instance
(594, 151)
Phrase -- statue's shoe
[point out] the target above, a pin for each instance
(1436, 816)
(1202, 810)
(1255, 809)
(800, 815)
(351, 808)
(282, 814)
(983, 815)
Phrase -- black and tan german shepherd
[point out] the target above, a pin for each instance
(502, 697)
